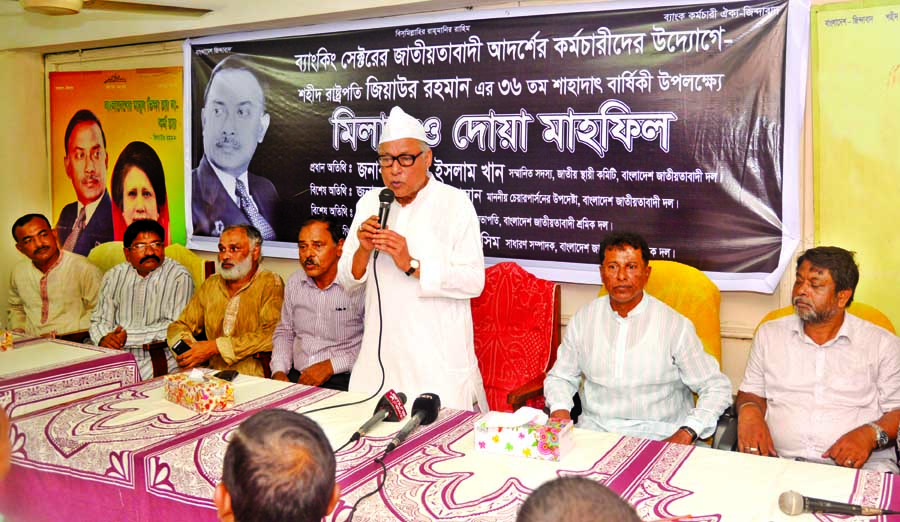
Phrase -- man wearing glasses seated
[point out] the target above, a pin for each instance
(431, 265)
(822, 384)
(139, 298)
(236, 310)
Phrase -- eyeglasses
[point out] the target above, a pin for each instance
(405, 160)
(156, 245)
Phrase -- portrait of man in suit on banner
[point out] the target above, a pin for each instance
(234, 122)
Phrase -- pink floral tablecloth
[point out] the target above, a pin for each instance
(130, 455)
(40, 373)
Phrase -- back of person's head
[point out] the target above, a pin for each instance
(575, 499)
(279, 466)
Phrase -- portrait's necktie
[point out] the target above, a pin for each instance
(252, 213)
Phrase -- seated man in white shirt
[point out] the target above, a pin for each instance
(822, 384)
(139, 298)
(51, 292)
(641, 361)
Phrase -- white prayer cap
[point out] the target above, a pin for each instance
(400, 125)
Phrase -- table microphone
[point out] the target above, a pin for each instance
(384, 208)
(424, 411)
(389, 409)
(793, 503)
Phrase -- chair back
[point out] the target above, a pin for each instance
(110, 254)
(516, 325)
(692, 294)
(861, 310)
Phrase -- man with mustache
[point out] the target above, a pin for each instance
(821, 384)
(52, 291)
(641, 361)
(427, 262)
(139, 298)
(86, 222)
(233, 314)
(321, 328)
(234, 121)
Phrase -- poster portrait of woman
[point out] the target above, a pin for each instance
(138, 189)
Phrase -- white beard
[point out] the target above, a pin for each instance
(238, 271)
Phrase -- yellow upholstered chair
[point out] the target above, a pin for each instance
(861, 310)
(691, 294)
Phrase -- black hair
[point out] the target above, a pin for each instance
(82, 116)
(139, 226)
(839, 262)
(334, 228)
(237, 62)
(22, 221)
(621, 239)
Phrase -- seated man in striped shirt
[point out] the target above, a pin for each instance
(318, 338)
(139, 298)
(640, 359)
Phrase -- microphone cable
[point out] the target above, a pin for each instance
(379, 460)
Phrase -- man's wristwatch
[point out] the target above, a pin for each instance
(881, 436)
(690, 432)
(413, 266)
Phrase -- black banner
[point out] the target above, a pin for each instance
(667, 121)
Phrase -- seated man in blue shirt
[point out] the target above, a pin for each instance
(319, 336)
(640, 359)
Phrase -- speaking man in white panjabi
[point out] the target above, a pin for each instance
(430, 265)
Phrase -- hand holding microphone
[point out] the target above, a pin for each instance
(389, 409)
(385, 198)
(425, 410)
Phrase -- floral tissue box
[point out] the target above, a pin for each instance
(524, 434)
(199, 392)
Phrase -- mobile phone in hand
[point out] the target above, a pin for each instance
(226, 375)
(180, 347)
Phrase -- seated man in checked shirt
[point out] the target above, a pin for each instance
(139, 298)
(641, 360)
(321, 328)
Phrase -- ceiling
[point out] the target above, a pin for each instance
(96, 28)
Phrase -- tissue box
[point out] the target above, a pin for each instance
(551, 440)
(208, 394)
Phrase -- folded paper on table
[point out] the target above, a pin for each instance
(198, 391)
(524, 434)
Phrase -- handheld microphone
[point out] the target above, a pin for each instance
(384, 208)
(424, 411)
(389, 409)
(793, 503)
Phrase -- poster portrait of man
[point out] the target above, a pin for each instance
(234, 122)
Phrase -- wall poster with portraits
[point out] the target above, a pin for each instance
(678, 120)
(116, 148)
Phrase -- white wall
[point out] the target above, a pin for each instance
(24, 179)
